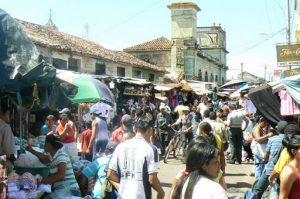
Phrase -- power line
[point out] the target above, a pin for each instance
(268, 16)
(280, 6)
(132, 17)
(264, 40)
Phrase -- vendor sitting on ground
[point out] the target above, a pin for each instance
(61, 174)
(49, 126)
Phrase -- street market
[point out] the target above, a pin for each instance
(126, 126)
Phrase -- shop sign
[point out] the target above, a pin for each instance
(292, 72)
(288, 55)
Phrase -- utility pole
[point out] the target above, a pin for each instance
(265, 73)
(288, 32)
(242, 71)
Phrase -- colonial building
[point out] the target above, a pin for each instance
(193, 52)
(69, 52)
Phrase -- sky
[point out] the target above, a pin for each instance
(253, 28)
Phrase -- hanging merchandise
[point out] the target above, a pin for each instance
(288, 106)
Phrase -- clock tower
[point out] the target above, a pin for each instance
(183, 36)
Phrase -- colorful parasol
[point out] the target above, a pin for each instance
(89, 89)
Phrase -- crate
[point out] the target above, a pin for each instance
(44, 172)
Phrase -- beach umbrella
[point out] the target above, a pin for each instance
(89, 90)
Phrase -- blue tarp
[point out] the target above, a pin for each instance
(293, 88)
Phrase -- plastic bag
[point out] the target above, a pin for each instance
(274, 191)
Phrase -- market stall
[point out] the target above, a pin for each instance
(169, 94)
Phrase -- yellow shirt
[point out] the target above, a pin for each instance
(219, 143)
(219, 146)
(283, 160)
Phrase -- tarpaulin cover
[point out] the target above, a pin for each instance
(20, 69)
(293, 88)
(18, 55)
(266, 103)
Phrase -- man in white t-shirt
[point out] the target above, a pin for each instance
(179, 109)
(134, 165)
(203, 106)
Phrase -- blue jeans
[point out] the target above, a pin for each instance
(99, 147)
(259, 166)
(261, 185)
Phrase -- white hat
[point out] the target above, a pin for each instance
(65, 111)
(162, 106)
(185, 108)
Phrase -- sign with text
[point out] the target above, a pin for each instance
(277, 73)
(288, 55)
(292, 72)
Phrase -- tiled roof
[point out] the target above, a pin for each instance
(161, 43)
(41, 35)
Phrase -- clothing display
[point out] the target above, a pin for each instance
(20, 186)
(288, 106)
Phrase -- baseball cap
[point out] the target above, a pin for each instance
(50, 117)
(126, 120)
(111, 146)
(281, 125)
(65, 110)
(291, 129)
(94, 110)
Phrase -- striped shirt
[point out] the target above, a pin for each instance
(273, 147)
(69, 180)
(235, 119)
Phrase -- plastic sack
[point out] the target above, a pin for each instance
(274, 191)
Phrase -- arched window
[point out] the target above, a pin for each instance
(217, 78)
(211, 77)
(200, 75)
(206, 76)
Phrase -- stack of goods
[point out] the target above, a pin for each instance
(28, 160)
(130, 89)
(20, 186)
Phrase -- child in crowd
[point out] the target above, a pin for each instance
(85, 140)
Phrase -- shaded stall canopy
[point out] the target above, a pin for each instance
(198, 87)
(140, 82)
(233, 84)
(266, 103)
(242, 90)
(167, 87)
(279, 84)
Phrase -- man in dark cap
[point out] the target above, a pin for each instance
(125, 127)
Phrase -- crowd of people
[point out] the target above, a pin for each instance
(123, 160)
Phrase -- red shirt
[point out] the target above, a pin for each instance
(70, 134)
(85, 138)
(117, 135)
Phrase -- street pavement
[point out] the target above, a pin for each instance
(237, 177)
